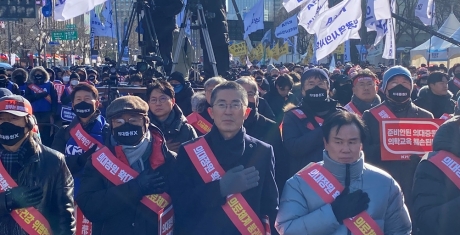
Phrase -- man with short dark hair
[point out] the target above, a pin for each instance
(279, 97)
(364, 92)
(436, 97)
(223, 173)
(358, 198)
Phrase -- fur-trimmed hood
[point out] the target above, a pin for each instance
(19, 71)
(199, 103)
(32, 72)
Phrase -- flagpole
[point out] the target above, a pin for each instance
(431, 25)
(118, 31)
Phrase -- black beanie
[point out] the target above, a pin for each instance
(74, 75)
(447, 136)
(177, 76)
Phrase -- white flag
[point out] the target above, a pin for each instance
(389, 50)
(337, 25)
(372, 24)
(288, 28)
(425, 11)
(290, 5)
(295, 46)
(310, 13)
(332, 65)
(67, 9)
(108, 17)
(97, 28)
(254, 19)
(382, 9)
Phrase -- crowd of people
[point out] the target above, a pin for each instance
(277, 149)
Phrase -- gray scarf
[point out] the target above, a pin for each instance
(137, 155)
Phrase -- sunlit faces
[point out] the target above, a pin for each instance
(344, 146)
(160, 104)
(441, 87)
(228, 111)
(365, 89)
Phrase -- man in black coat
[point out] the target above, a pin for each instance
(262, 128)
(397, 85)
(301, 127)
(436, 97)
(245, 169)
(183, 92)
(44, 183)
(435, 197)
(279, 97)
(163, 14)
(139, 147)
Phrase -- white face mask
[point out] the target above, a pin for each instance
(66, 78)
(74, 82)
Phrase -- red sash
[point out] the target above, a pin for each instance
(352, 109)
(445, 116)
(237, 208)
(84, 226)
(59, 90)
(199, 122)
(301, 115)
(117, 171)
(449, 164)
(69, 89)
(29, 219)
(456, 81)
(328, 188)
(382, 112)
(38, 90)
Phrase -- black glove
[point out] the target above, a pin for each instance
(151, 182)
(23, 197)
(86, 155)
(238, 180)
(347, 205)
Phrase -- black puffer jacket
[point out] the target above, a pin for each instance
(402, 171)
(175, 127)
(46, 168)
(184, 99)
(117, 210)
(437, 105)
(436, 199)
(277, 103)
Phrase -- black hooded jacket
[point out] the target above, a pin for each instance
(184, 99)
(436, 104)
(175, 127)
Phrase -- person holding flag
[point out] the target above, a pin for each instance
(225, 173)
(342, 194)
(397, 85)
(124, 187)
(36, 193)
(365, 94)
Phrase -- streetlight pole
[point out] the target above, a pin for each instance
(9, 41)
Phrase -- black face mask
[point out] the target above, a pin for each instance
(82, 77)
(39, 79)
(19, 80)
(83, 109)
(11, 134)
(399, 93)
(457, 75)
(128, 134)
(344, 93)
(316, 98)
(91, 78)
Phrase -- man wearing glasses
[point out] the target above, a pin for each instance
(223, 182)
(364, 92)
(123, 188)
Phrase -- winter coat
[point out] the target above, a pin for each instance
(401, 171)
(454, 88)
(184, 99)
(437, 105)
(47, 169)
(117, 210)
(218, 24)
(175, 128)
(164, 15)
(39, 103)
(198, 206)
(21, 84)
(303, 144)
(363, 106)
(277, 103)
(266, 130)
(265, 110)
(303, 211)
(200, 105)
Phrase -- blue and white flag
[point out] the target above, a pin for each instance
(254, 19)
(290, 5)
(107, 13)
(337, 25)
(425, 11)
(286, 40)
(372, 24)
(332, 65)
(382, 9)
(267, 37)
(67, 9)
(47, 10)
(347, 55)
(288, 28)
(310, 13)
(389, 50)
(98, 29)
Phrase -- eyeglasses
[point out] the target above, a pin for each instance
(162, 99)
(132, 120)
(233, 106)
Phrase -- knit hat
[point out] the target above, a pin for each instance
(447, 135)
(395, 71)
(127, 104)
(314, 72)
(177, 76)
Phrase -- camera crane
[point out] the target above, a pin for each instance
(196, 26)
